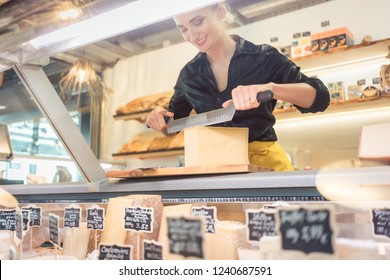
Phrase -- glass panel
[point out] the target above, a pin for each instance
(39, 156)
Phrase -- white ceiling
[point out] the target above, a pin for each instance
(20, 18)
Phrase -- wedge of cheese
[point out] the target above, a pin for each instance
(175, 211)
(76, 242)
(114, 230)
(271, 249)
(355, 249)
(132, 238)
(215, 146)
(7, 200)
(228, 238)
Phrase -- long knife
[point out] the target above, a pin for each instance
(212, 117)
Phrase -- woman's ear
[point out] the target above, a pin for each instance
(221, 10)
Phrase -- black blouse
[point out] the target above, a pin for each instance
(197, 89)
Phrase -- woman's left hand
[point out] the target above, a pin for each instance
(245, 97)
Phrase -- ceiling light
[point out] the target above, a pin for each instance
(128, 17)
(69, 14)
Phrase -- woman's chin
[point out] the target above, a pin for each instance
(202, 49)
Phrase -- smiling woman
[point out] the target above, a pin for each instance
(229, 69)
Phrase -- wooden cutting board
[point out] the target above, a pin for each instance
(180, 171)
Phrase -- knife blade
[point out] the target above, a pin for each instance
(212, 117)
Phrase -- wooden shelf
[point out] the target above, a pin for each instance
(336, 107)
(344, 56)
(140, 117)
(151, 154)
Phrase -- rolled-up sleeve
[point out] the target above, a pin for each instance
(283, 70)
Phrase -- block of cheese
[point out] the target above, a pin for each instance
(250, 254)
(76, 241)
(91, 242)
(271, 249)
(6, 244)
(228, 238)
(350, 249)
(39, 236)
(215, 146)
(149, 201)
(374, 146)
(114, 230)
(175, 211)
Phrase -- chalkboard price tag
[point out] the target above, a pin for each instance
(19, 225)
(381, 221)
(95, 218)
(35, 215)
(7, 219)
(186, 236)
(114, 252)
(260, 223)
(307, 230)
(139, 219)
(54, 229)
(72, 217)
(209, 213)
(26, 219)
(152, 250)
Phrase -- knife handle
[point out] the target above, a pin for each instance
(166, 119)
(265, 96)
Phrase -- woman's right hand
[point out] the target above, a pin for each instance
(156, 121)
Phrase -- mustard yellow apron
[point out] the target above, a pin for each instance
(269, 154)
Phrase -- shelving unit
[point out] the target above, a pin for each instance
(338, 107)
(344, 56)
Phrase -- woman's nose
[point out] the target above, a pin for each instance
(192, 35)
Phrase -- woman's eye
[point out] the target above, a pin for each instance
(183, 30)
(198, 22)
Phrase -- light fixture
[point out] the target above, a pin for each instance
(116, 21)
(80, 76)
(68, 11)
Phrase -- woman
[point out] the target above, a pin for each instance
(231, 69)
